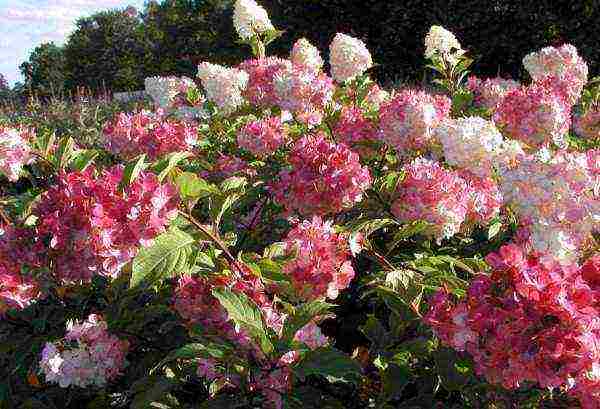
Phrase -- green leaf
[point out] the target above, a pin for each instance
(82, 159)
(164, 166)
(167, 255)
(64, 152)
(301, 316)
(494, 229)
(330, 363)
(246, 314)
(191, 186)
(195, 350)
(149, 391)
(368, 227)
(233, 183)
(224, 402)
(133, 170)
(223, 206)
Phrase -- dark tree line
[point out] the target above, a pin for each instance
(117, 49)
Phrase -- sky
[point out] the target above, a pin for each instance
(24, 24)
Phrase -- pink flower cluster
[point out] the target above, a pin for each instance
(229, 165)
(261, 72)
(587, 125)
(97, 358)
(562, 68)
(444, 198)
(408, 119)
(534, 115)
(15, 151)
(532, 320)
(558, 198)
(321, 266)
(18, 249)
(194, 301)
(325, 177)
(130, 134)
(489, 92)
(262, 137)
(304, 92)
(93, 227)
(353, 127)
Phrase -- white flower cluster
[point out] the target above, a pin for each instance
(305, 54)
(348, 57)
(568, 71)
(223, 85)
(556, 195)
(471, 143)
(15, 152)
(162, 90)
(97, 358)
(555, 61)
(439, 40)
(250, 19)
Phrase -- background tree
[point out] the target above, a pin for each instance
(185, 32)
(106, 51)
(44, 71)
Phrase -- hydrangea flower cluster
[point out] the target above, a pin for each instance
(348, 57)
(325, 177)
(223, 86)
(95, 228)
(587, 125)
(532, 320)
(445, 199)
(162, 90)
(484, 198)
(18, 249)
(321, 265)
(304, 92)
(261, 72)
(353, 127)
(250, 19)
(97, 358)
(15, 151)
(130, 134)
(376, 97)
(229, 165)
(534, 115)
(306, 55)
(194, 301)
(566, 71)
(408, 119)
(441, 41)
(558, 197)
(262, 137)
(470, 143)
(433, 194)
(488, 93)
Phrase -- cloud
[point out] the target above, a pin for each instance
(32, 22)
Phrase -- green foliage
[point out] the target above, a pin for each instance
(44, 71)
(169, 254)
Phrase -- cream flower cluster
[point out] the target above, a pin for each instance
(97, 358)
(489, 92)
(223, 85)
(441, 41)
(307, 55)
(249, 19)
(568, 71)
(15, 152)
(162, 90)
(470, 143)
(556, 196)
(348, 57)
